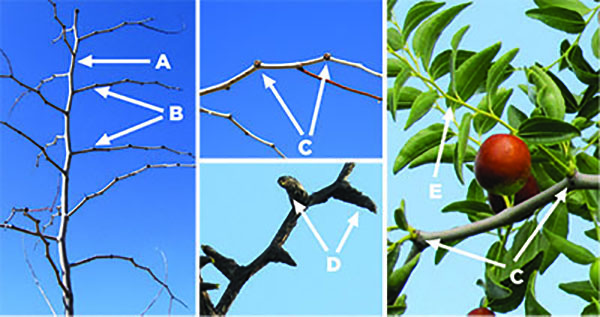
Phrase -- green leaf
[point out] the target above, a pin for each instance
(564, 46)
(583, 289)
(421, 107)
(591, 234)
(591, 310)
(559, 18)
(549, 96)
(470, 207)
(461, 146)
(472, 72)
(398, 278)
(497, 71)
(587, 163)
(590, 109)
(396, 65)
(573, 5)
(576, 204)
(570, 102)
(400, 217)
(441, 252)
(515, 116)
(458, 37)
(580, 67)
(419, 144)
(399, 306)
(390, 8)
(402, 77)
(392, 258)
(417, 13)
(405, 97)
(574, 252)
(394, 39)
(596, 43)
(430, 156)
(429, 31)
(557, 223)
(541, 130)
(475, 192)
(532, 306)
(441, 63)
(483, 124)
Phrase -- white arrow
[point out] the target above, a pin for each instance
(106, 139)
(352, 223)
(270, 84)
(435, 243)
(105, 92)
(448, 116)
(89, 61)
(299, 208)
(562, 196)
(324, 76)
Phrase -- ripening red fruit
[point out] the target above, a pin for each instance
(529, 190)
(503, 164)
(481, 312)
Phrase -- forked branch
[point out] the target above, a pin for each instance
(238, 274)
(136, 265)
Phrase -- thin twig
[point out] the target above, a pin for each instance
(62, 26)
(360, 92)
(127, 81)
(160, 290)
(51, 143)
(260, 65)
(36, 280)
(135, 264)
(134, 147)
(26, 231)
(47, 251)
(34, 143)
(123, 177)
(37, 88)
(141, 23)
(247, 132)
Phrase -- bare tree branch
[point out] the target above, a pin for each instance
(237, 274)
(123, 177)
(136, 265)
(141, 23)
(356, 91)
(247, 132)
(127, 81)
(21, 133)
(260, 65)
(47, 252)
(26, 231)
(63, 27)
(133, 147)
(37, 281)
(51, 143)
(512, 214)
(37, 88)
(161, 289)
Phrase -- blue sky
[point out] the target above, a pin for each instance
(491, 21)
(138, 216)
(235, 33)
(242, 207)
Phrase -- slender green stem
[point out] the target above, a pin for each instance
(575, 42)
(554, 158)
(592, 141)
